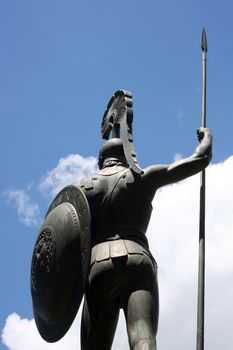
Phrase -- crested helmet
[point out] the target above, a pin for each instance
(113, 150)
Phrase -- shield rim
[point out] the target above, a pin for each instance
(54, 331)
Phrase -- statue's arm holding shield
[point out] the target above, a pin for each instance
(159, 175)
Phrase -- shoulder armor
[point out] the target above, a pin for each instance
(87, 183)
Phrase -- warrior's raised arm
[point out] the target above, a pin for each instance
(159, 175)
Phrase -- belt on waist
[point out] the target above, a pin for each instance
(131, 235)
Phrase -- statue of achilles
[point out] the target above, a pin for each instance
(93, 240)
(123, 273)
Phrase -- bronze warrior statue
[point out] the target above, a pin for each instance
(122, 271)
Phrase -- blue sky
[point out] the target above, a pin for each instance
(60, 63)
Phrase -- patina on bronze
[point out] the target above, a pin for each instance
(108, 214)
(116, 205)
(123, 273)
(60, 263)
(118, 119)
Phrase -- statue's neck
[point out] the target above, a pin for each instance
(110, 162)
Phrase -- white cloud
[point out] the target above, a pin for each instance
(21, 334)
(173, 237)
(28, 212)
(70, 170)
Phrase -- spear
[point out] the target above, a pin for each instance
(201, 267)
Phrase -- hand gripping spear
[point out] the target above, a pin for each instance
(201, 267)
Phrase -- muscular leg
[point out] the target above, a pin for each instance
(131, 283)
(101, 307)
(99, 321)
(141, 312)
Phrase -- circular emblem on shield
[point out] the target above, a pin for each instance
(60, 263)
(43, 259)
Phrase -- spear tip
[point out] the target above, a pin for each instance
(203, 40)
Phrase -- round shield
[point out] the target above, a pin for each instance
(60, 263)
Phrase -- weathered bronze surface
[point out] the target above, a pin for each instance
(122, 270)
(60, 263)
(118, 118)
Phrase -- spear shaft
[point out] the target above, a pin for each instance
(201, 267)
